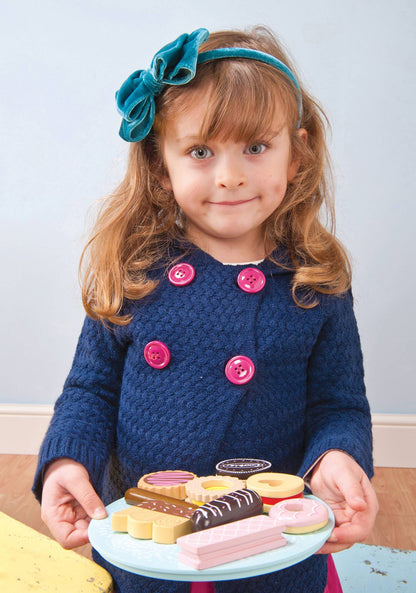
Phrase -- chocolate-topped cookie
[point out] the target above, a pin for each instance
(242, 468)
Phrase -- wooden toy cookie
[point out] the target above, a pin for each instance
(144, 524)
(242, 467)
(170, 482)
(274, 487)
(205, 489)
(300, 516)
(232, 541)
(146, 499)
(234, 506)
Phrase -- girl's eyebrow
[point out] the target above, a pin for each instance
(196, 138)
(190, 138)
(276, 132)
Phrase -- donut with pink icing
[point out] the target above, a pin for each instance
(301, 515)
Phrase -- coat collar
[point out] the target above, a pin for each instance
(278, 262)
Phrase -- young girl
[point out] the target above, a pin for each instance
(220, 320)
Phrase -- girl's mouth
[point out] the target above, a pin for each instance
(234, 202)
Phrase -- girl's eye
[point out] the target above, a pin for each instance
(257, 148)
(200, 153)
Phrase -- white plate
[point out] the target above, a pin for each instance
(160, 561)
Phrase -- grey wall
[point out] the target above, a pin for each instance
(61, 62)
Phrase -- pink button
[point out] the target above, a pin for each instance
(239, 370)
(181, 274)
(251, 280)
(157, 354)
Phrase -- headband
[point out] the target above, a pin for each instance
(175, 64)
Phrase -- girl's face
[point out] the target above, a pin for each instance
(226, 189)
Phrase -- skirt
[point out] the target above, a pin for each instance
(333, 584)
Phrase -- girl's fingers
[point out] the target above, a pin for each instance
(70, 530)
(350, 533)
(352, 488)
(332, 548)
(68, 502)
(87, 498)
(70, 537)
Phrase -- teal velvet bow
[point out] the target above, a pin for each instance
(174, 64)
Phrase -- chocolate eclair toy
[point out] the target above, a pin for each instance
(230, 507)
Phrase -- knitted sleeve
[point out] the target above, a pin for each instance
(338, 413)
(84, 421)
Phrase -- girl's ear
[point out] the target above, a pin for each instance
(164, 180)
(295, 163)
(156, 162)
(162, 174)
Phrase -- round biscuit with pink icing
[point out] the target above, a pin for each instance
(301, 515)
(168, 482)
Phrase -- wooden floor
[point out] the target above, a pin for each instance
(396, 490)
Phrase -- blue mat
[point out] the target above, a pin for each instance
(374, 569)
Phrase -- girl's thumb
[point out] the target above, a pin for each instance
(99, 512)
(90, 501)
(355, 497)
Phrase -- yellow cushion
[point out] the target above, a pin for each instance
(30, 561)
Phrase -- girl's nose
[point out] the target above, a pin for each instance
(230, 173)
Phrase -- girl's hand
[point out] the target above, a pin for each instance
(342, 484)
(69, 502)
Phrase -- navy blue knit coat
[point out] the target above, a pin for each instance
(122, 418)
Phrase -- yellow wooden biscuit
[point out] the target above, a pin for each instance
(207, 488)
(144, 524)
(273, 485)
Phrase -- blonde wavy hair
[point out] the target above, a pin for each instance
(138, 223)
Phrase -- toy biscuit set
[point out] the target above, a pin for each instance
(241, 511)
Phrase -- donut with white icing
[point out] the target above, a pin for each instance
(301, 515)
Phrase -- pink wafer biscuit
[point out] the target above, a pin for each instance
(231, 541)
